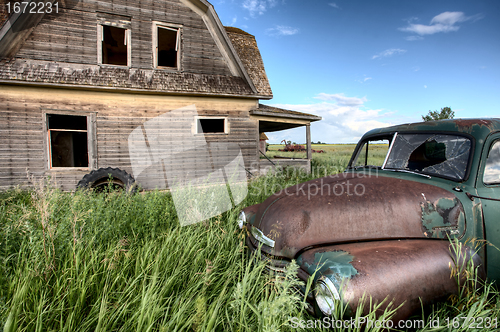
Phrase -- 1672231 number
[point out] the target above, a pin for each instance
(32, 7)
(472, 322)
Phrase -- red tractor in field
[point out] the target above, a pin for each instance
(296, 147)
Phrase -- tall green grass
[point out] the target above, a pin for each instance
(108, 262)
(114, 262)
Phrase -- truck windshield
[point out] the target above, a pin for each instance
(433, 154)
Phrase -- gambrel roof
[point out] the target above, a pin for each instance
(60, 50)
(246, 47)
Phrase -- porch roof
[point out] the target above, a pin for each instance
(276, 119)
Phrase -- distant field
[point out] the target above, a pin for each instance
(325, 147)
(337, 149)
(335, 158)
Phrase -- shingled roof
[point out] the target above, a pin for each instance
(128, 79)
(248, 51)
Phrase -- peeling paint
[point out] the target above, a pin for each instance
(334, 264)
(337, 263)
(467, 125)
(442, 218)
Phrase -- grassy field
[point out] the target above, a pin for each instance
(113, 262)
(334, 160)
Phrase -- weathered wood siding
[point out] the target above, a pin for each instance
(23, 138)
(71, 35)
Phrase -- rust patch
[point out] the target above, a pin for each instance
(305, 222)
(466, 125)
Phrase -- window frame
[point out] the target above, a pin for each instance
(100, 35)
(365, 146)
(198, 125)
(91, 139)
(154, 43)
(490, 148)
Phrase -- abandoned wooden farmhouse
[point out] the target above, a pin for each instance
(77, 79)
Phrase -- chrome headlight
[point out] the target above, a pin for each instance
(242, 219)
(326, 294)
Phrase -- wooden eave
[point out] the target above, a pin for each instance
(276, 119)
(127, 90)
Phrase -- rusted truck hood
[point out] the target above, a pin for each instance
(352, 207)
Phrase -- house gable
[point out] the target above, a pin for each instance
(65, 49)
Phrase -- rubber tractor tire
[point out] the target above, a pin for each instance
(104, 179)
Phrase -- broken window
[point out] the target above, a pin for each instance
(168, 43)
(68, 140)
(492, 168)
(211, 125)
(115, 45)
(372, 153)
(435, 154)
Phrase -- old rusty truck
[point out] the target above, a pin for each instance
(389, 226)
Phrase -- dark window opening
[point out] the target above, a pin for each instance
(114, 46)
(426, 155)
(167, 47)
(68, 140)
(211, 125)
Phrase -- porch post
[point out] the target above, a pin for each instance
(308, 140)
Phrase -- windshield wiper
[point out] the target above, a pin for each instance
(406, 171)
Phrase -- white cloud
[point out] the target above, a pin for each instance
(345, 120)
(364, 79)
(388, 53)
(413, 38)
(334, 5)
(233, 21)
(258, 7)
(422, 29)
(444, 22)
(425, 86)
(341, 99)
(282, 30)
(448, 18)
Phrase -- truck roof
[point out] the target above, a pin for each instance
(479, 128)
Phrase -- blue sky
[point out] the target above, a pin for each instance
(367, 64)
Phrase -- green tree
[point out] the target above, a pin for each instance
(446, 113)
